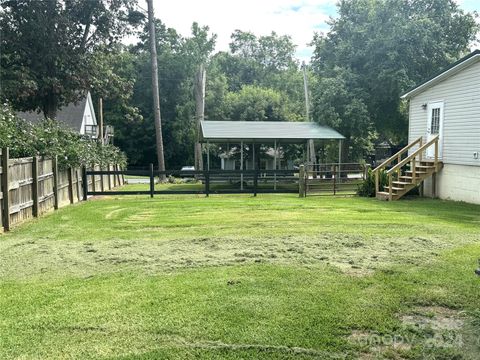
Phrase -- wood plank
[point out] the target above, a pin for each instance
(17, 208)
(19, 161)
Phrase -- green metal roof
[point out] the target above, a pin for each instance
(256, 131)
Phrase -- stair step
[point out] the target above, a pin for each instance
(401, 183)
(416, 172)
(395, 188)
(382, 195)
(424, 166)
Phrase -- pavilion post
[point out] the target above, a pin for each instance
(208, 155)
(307, 159)
(254, 165)
(339, 157)
(275, 165)
(241, 165)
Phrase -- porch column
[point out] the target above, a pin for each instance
(241, 165)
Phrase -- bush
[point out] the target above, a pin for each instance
(51, 138)
(367, 188)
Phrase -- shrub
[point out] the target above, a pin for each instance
(367, 188)
(51, 138)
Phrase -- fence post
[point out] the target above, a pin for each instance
(35, 186)
(114, 177)
(255, 182)
(78, 184)
(102, 185)
(365, 171)
(55, 182)
(207, 182)
(70, 185)
(152, 181)
(334, 179)
(109, 178)
(5, 190)
(84, 182)
(94, 177)
(301, 181)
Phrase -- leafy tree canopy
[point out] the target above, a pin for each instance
(48, 48)
(377, 49)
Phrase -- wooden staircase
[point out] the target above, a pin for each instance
(405, 172)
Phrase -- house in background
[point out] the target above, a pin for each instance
(230, 160)
(448, 105)
(79, 116)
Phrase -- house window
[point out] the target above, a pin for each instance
(435, 124)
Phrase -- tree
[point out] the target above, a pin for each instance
(155, 93)
(254, 103)
(377, 49)
(47, 48)
(199, 47)
(338, 104)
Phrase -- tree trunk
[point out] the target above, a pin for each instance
(200, 79)
(156, 97)
(50, 106)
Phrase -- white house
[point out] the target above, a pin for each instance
(229, 160)
(448, 104)
(78, 116)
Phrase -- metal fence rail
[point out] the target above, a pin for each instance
(334, 178)
(208, 182)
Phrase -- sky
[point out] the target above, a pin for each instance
(298, 18)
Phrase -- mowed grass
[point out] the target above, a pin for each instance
(238, 277)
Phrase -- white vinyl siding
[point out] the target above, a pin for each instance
(460, 94)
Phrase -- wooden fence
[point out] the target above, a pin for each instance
(30, 187)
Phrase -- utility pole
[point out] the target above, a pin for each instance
(311, 146)
(156, 97)
(200, 80)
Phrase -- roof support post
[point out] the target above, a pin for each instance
(275, 164)
(339, 156)
(241, 165)
(254, 165)
(208, 155)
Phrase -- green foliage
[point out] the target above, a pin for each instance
(337, 102)
(48, 48)
(374, 51)
(50, 138)
(367, 188)
(253, 103)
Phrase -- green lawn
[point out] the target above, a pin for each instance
(238, 277)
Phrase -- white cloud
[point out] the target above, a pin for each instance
(297, 18)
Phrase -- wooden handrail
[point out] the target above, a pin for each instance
(414, 154)
(395, 156)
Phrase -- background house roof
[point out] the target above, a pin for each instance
(444, 74)
(71, 115)
(258, 131)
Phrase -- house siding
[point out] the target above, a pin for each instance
(456, 182)
(461, 125)
(460, 178)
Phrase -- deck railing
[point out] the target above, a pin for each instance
(395, 163)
